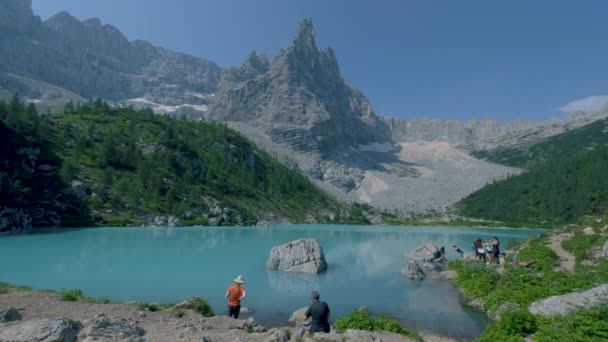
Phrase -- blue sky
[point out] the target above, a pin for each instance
(516, 59)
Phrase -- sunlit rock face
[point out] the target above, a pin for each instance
(95, 60)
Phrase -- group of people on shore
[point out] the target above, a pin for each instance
(490, 249)
(318, 311)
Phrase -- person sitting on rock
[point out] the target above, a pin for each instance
(235, 294)
(319, 313)
(458, 250)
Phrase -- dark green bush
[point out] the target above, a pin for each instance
(585, 325)
(151, 307)
(474, 278)
(204, 308)
(512, 326)
(71, 295)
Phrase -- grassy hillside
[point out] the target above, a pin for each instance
(511, 289)
(128, 166)
(555, 147)
(556, 191)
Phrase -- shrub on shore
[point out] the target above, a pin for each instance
(361, 320)
(71, 295)
(201, 306)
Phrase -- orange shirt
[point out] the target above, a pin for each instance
(234, 295)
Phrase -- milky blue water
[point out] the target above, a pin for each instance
(168, 264)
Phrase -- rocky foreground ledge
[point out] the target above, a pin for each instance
(41, 316)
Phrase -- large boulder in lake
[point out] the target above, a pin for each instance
(424, 259)
(426, 253)
(38, 330)
(305, 255)
(413, 270)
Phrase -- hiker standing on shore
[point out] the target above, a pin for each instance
(496, 250)
(235, 294)
(480, 250)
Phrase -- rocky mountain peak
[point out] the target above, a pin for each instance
(300, 101)
(16, 16)
(256, 63)
(96, 22)
(305, 36)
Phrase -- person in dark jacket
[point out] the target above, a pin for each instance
(496, 250)
(318, 312)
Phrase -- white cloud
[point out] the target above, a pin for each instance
(588, 104)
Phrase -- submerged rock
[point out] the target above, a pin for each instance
(412, 270)
(9, 315)
(41, 330)
(605, 250)
(305, 255)
(562, 305)
(106, 328)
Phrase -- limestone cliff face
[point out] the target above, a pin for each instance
(96, 60)
(299, 99)
(485, 133)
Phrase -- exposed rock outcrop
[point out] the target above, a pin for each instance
(106, 328)
(426, 258)
(304, 255)
(9, 315)
(562, 305)
(223, 322)
(357, 336)
(588, 231)
(297, 316)
(40, 330)
(160, 221)
(187, 303)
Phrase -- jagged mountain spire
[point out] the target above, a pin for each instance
(305, 36)
(301, 101)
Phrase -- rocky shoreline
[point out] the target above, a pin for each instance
(44, 316)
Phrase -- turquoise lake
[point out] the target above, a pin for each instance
(166, 265)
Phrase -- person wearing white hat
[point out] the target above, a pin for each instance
(235, 294)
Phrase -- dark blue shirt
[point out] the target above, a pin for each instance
(319, 314)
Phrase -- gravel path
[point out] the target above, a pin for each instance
(567, 260)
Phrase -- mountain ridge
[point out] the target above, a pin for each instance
(296, 105)
(96, 60)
